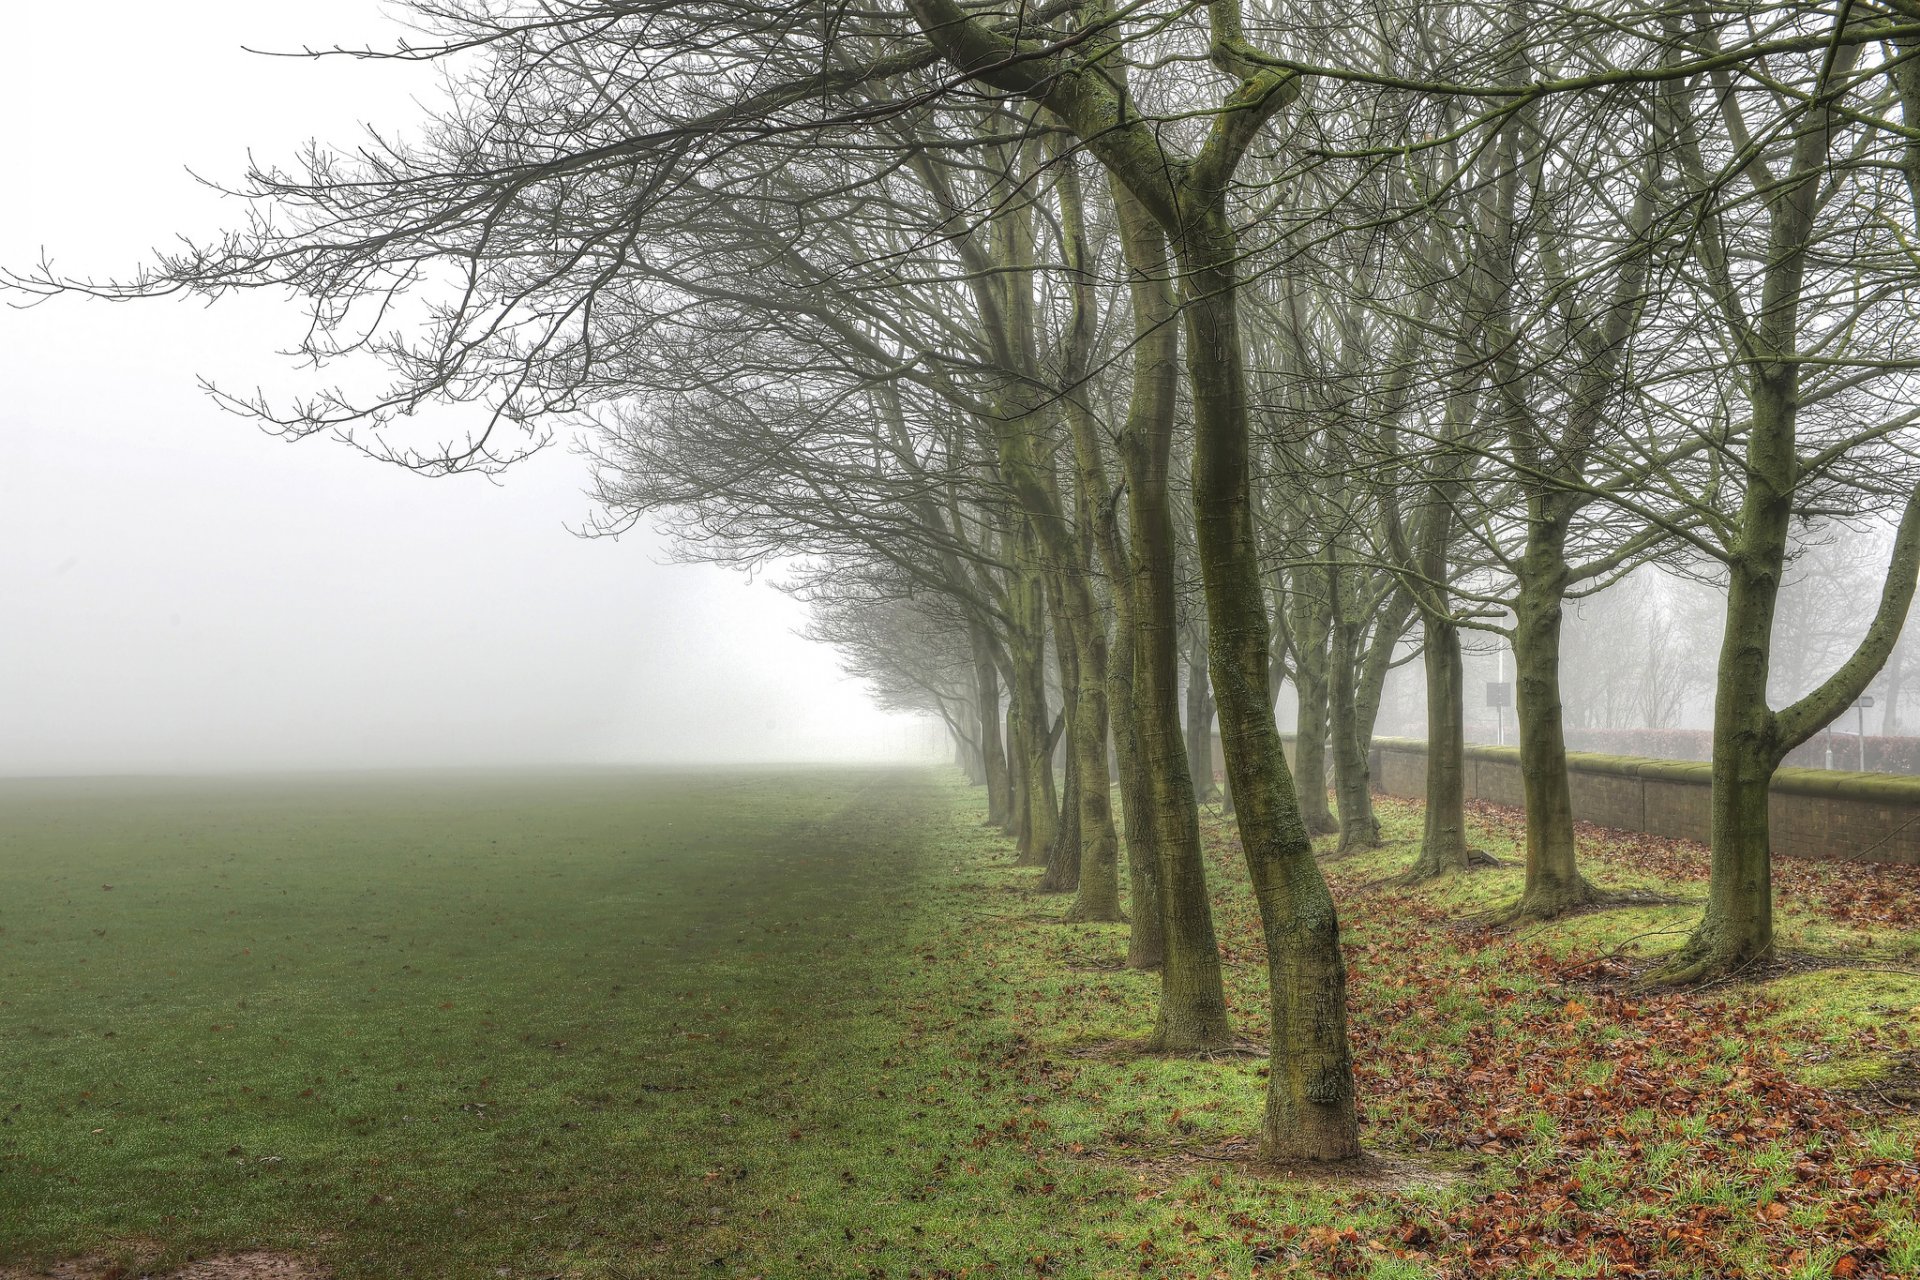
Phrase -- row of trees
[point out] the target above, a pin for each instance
(1062, 345)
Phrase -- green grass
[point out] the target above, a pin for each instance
(813, 1024)
(444, 1024)
(607, 1025)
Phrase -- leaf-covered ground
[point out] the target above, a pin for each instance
(812, 1024)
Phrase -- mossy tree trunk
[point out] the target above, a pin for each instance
(1443, 839)
(1353, 782)
(1147, 939)
(1749, 738)
(1193, 1003)
(1062, 873)
(1310, 1112)
(993, 751)
(1554, 884)
(1311, 627)
(1199, 720)
(1026, 644)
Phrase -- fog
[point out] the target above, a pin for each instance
(184, 592)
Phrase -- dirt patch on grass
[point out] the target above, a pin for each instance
(255, 1264)
(1621, 971)
(1894, 1093)
(1125, 1049)
(1373, 1171)
(1116, 964)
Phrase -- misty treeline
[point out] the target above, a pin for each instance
(1075, 354)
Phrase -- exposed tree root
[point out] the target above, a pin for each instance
(1382, 1171)
(1423, 872)
(1550, 903)
(1124, 1050)
(1700, 963)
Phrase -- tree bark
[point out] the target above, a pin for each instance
(993, 753)
(1310, 1111)
(1359, 829)
(1062, 874)
(1193, 1004)
(1199, 719)
(1443, 841)
(1312, 632)
(1039, 810)
(1554, 884)
(1147, 939)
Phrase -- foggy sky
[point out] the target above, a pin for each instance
(182, 591)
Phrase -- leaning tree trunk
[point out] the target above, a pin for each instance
(1443, 842)
(1098, 530)
(1193, 1004)
(1310, 1111)
(1554, 884)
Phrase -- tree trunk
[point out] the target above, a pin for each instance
(1554, 884)
(1310, 1110)
(1026, 642)
(993, 752)
(1062, 874)
(1359, 829)
(1311, 630)
(1443, 843)
(1193, 1003)
(1098, 882)
(1896, 678)
(1147, 940)
(1737, 929)
(1017, 812)
(1199, 719)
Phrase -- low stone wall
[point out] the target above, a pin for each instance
(1815, 813)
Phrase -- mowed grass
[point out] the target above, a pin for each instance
(444, 1024)
(815, 1024)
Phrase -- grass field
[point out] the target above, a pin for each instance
(811, 1024)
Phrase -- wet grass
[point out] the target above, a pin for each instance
(813, 1024)
(448, 1025)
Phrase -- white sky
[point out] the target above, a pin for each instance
(180, 591)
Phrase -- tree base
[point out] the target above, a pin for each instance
(1422, 871)
(1711, 955)
(1326, 1141)
(1094, 913)
(1550, 902)
(1191, 1036)
(1351, 845)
